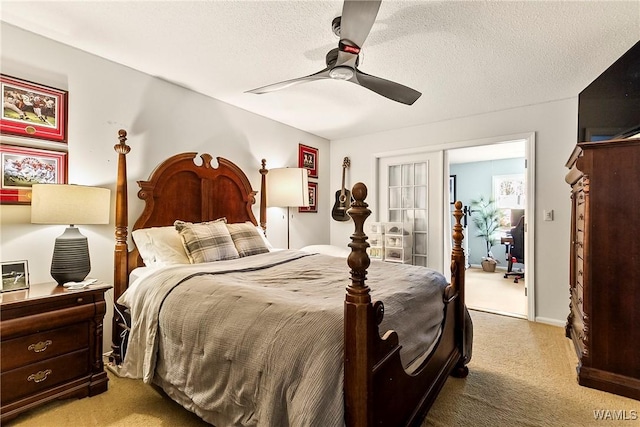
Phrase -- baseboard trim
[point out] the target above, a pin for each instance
(552, 322)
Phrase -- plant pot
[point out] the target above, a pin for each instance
(489, 265)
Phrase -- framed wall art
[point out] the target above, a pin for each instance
(308, 159)
(33, 110)
(313, 199)
(15, 276)
(508, 191)
(22, 167)
(452, 189)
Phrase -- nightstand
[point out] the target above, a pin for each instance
(51, 345)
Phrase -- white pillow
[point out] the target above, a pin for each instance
(160, 246)
(336, 251)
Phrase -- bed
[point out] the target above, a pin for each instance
(269, 337)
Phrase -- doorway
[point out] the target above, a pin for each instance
(496, 172)
(440, 237)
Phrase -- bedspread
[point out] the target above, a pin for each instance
(258, 341)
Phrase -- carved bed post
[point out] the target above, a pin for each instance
(457, 282)
(263, 196)
(359, 322)
(121, 253)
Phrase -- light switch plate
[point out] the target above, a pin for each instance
(548, 215)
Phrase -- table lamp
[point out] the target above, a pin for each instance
(71, 205)
(288, 187)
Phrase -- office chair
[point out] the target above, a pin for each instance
(516, 214)
(516, 251)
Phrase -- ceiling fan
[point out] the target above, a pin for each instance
(352, 27)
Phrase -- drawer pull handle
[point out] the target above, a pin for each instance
(40, 376)
(40, 347)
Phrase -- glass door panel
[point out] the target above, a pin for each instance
(411, 191)
(408, 203)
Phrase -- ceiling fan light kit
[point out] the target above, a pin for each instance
(353, 28)
(341, 73)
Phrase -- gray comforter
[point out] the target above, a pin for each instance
(258, 341)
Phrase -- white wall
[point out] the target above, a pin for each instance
(554, 124)
(162, 119)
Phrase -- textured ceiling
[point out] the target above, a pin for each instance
(466, 57)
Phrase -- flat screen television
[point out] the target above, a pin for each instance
(610, 106)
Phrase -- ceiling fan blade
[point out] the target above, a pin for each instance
(324, 74)
(388, 89)
(357, 19)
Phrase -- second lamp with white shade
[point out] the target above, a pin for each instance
(288, 187)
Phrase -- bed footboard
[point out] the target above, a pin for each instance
(378, 391)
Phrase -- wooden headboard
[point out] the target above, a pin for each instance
(179, 188)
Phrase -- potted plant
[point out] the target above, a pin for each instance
(486, 217)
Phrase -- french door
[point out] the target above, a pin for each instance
(410, 190)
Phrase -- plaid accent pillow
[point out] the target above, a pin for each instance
(247, 239)
(206, 241)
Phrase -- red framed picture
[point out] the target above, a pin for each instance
(308, 159)
(22, 167)
(313, 199)
(33, 110)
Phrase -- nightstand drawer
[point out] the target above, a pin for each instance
(40, 376)
(43, 345)
(16, 322)
(64, 301)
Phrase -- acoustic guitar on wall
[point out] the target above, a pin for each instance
(343, 197)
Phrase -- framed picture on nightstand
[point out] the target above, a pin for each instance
(15, 276)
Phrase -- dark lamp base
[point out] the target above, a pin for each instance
(70, 261)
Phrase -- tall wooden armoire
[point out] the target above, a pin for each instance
(604, 318)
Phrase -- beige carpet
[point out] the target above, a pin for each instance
(492, 292)
(522, 374)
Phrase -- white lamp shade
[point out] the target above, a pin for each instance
(288, 187)
(69, 204)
